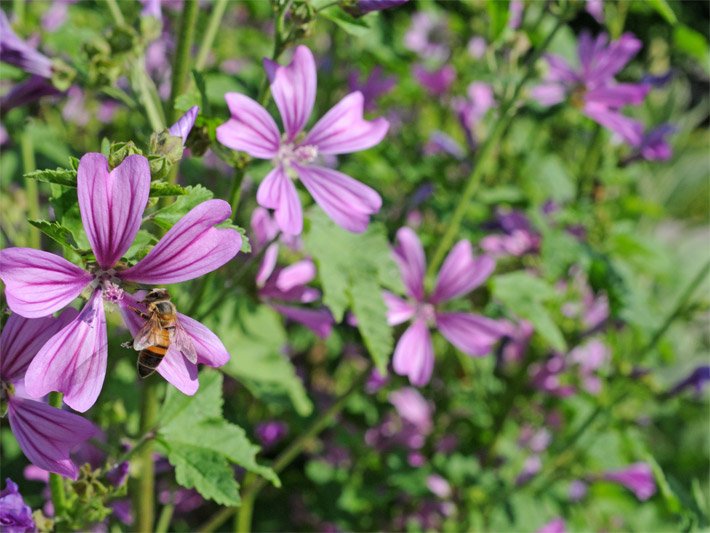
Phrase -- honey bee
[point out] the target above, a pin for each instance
(161, 331)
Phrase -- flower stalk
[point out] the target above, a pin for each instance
(56, 483)
(218, 9)
(145, 496)
(181, 61)
(28, 164)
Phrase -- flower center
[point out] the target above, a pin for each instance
(577, 96)
(111, 292)
(292, 153)
(427, 312)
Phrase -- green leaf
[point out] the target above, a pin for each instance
(524, 294)
(163, 188)
(60, 176)
(664, 9)
(256, 335)
(691, 42)
(141, 245)
(192, 196)
(206, 471)
(180, 411)
(498, 12)
(56, 232)
(246, 245)
(353, 269)
(357, 27)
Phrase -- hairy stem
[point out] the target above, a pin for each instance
(505, 118)
(28, 164)
(56, 483)
(181, 61)
(208, 38)
(145, 496)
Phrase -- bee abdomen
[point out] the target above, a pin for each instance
(149, 359)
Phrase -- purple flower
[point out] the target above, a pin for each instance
(15, 514)
(271, 433)
(45, 434)
(376, 381)
(56, 15)
(518, 339)
(341, 130)
(518, 238)
(531, 467)
(27, 91)
(184, 124)
(596, 9)
(589, 357)
(460, 274)
(591, 87)
(555, 526)
(515, 16)
(375, 86)
(477, 47)
(437, 81)
(151, 8)
(638, 478)
(439, 486)
(440, 143)
(428, 36)
(577, 490)
(413, 409)
(654, 145)
(471, 110)
(696, 379)
(39, 283)
(17, 52)
(366, 6)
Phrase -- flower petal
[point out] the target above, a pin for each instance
(46, 434)
(184, 124)
(251, 129)
(22, 338)
(112, 203)
(619, 95)
(179, 372)
(343, 130)
(268, 264)
(414, 354)
(38, 283)
(297, 274)
(294, 89)
(548, 94)
(345, 200)
(409, 255)
(210, 350)
(607, 62)
(461, 272)
(319, 321)
(470, 333)
(74, 360)
(278, 192)
(398, 309)
(628, 129)
(193, 247)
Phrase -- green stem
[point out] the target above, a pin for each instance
(505, 118)
(149, 98)
(254, 484)
(235, 193)
(18, 9)
(166, 515)
(137, 447)
(181, 62)
(56, 483)
(208, 38)
(145, 497)
(590, 163)
(115, 12)
(28, 164)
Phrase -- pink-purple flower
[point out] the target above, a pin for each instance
(46, 435)
(591, 86)
(295, 154)
(15, 51)
(461, 272)
(39, 283)
(637, 477)
(15, 514)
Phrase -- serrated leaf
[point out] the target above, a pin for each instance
(193, 195)
(60, 176)
(256, 334)
(206, 471)
(56, 232)
(180, 411)
(348, 261)
(160, 188)
(246, 245)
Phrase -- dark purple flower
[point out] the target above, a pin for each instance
(376, 381)
(654, 146)
(591, 87)
(28, 91)
(375, 86)
(271, 432)
(638, 478)
(118, 474)
(437, 81)
(697, 379)
(366, 6)
(15, 51)
(15, 514)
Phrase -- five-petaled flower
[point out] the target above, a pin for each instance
(592, 86)
(46, 435)
(39, 283)
(461, 273)
(341, 130)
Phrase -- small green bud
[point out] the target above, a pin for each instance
(62, 75)
(120, 151)
(164, 144)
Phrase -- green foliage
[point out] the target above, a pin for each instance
(193, 195)
(56, 232)
(59, 176)
(354, 268)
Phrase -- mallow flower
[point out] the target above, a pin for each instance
(341, 130)
(460, 273)
(40, 283)
(15, 514)
(19, 53)
(637, 477)
(46, 435)
(591, 86)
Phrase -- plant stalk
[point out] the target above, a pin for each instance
(181, 61)
(115, 12)
(56, 483)
(145, 496)
(28, 164)
(218, 9)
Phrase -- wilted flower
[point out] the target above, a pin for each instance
(15, 514)
(592, 88)
(638, 478)
(461, 273)
(46, 435)
(341, 130)
(375, 86)
(437, 81)
(39, 283)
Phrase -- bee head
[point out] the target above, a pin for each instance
(156, 295)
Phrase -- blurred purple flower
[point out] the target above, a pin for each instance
(588, 358)
(592, 87)
(151, 8)
(437, 81)
(413, 408)
(477, 47)
(531, 467)
(74, 110)
(118, 475)
(376, 381)
(46, 435)
(460, 273)
(440, 143)
(471, 110)
(15, 514)
(697, 379)
(123, 510)
(271, 433)
(39, 283)
(596, 9)
(55, 17)
(546, 376)
(17, 52)
(660, 80)
(577, 490)
(366, 6)
(439, 486)
(515, 16)
(341, 130)
(653, 145)
(184, 124)
(517, 342)
(518, 238)
(375, 86)
(27, 91)
(555, 526)
(637, 477)
(428, 36)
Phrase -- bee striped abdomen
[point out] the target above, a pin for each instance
(149, 358)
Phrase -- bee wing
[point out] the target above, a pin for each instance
(182, 341)
(148, 334)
